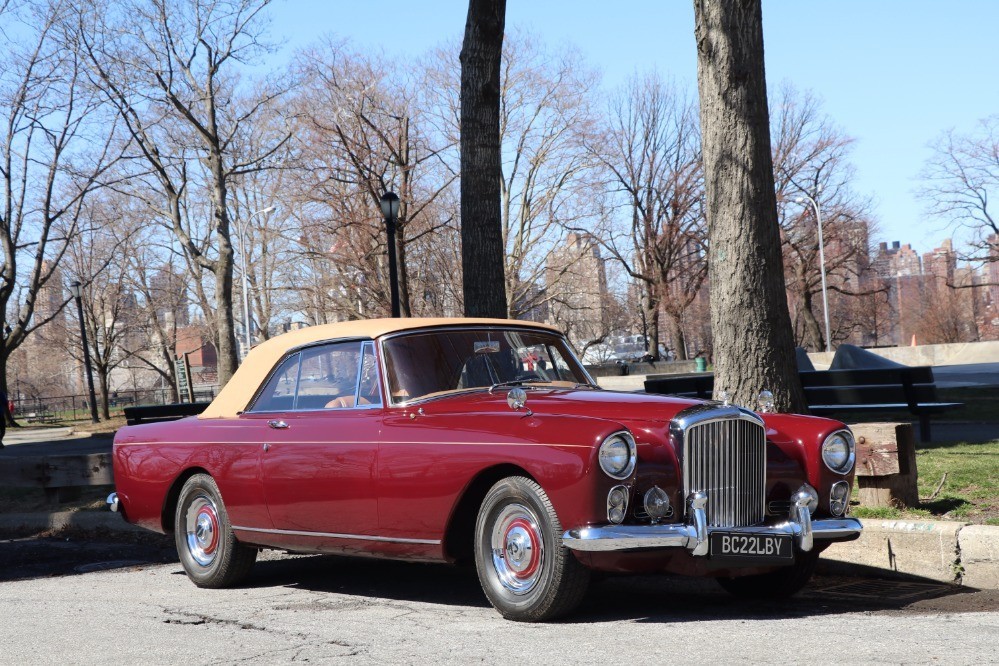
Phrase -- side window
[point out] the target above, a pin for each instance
(328, 378)
(279, 393)
(369, 392)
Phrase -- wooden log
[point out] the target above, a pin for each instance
(886, 464)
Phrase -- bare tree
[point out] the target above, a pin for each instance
(481, 160)
(158, 281)
(753, 344)
(811, 159)
(652, 154)
(362, 132)
(169, 67)
(54, 150)
(99, 259)
(961, 184)
(548, 180)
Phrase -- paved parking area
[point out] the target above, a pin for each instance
(124, 604)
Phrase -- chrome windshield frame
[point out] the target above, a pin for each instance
(389, 402)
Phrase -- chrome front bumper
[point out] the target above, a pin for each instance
(695, 535)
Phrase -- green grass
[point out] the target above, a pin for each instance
(970, 492)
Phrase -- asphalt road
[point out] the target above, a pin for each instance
(78, 608)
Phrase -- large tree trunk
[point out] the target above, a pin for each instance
(652, 321)
(753, 341)
(102, 383)
(228, 351)
(482, 249)
(813, 333)
(228, 355)
(677, 337)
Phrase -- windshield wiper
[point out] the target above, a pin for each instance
(512, 382)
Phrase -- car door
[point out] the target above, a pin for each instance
(318, 463)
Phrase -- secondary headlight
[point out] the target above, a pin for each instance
(618, 455)
(839, 451)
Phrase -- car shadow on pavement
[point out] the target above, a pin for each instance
(666, 599)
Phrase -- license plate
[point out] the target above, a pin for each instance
(752, 548)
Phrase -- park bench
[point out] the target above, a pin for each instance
(157, 413)
(40, 415)
(876, 390)
(829, 392)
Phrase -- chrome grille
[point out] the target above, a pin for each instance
(726, 458)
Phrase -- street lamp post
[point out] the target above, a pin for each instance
(76, 289)
(390, 210)
(822, 263)
(241, 228)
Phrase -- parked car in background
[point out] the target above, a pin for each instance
(451, 440)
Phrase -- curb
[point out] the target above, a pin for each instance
(949, 552)
(84, 520)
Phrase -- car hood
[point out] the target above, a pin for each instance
(613, 405)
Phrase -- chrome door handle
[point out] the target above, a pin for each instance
(277, 425)
(267, 447)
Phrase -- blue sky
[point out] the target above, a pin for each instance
(892, 74)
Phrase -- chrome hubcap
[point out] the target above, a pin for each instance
(518, 549)
(202, 526)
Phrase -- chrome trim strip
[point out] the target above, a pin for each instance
(611, 538)
(330, 535)
(345, 441)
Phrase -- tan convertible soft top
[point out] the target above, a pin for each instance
(236, 395)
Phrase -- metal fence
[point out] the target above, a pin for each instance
(71, 407)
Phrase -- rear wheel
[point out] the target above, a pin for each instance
(778, 584)
(208, 550)
(524, 569)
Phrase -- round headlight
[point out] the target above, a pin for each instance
(618, 455)
(838, 451)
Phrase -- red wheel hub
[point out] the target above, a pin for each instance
(525, 538)
(207, 513)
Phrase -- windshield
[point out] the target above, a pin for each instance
(422, 364)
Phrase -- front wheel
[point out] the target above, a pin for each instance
(778, 584)
(208, 551)
(524, 569)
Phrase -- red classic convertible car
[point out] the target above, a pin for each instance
(484, 440)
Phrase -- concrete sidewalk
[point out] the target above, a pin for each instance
(33, 442)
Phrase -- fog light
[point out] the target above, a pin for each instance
(813, 497)
(657, 504)
(617, 504)
(839, 498)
